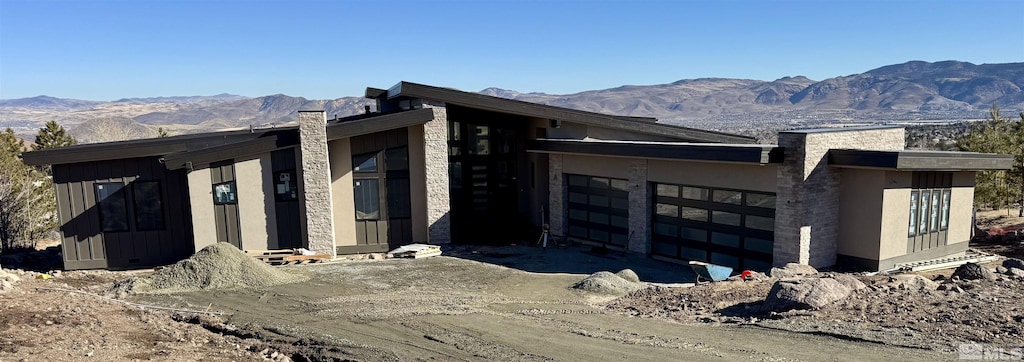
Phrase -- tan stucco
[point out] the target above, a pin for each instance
(612, 167)
(256, 215)
(895, 215)
(961, 208)
(343, 201)
(860, 212)
(569, 130)
(418, 184)
(200, 193)
(724, 175)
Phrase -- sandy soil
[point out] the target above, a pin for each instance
(45, 325)
(447, 308)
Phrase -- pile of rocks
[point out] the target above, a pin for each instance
(1012, 267)
(7, 280)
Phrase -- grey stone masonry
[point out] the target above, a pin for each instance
(556, 197)
(639, 210)
(807, 206)
(316, 182)
(435, 144)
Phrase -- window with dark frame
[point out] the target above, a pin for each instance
(721, 226)
(929, 203)
(149, 212)
(112, 205)
(225, 193)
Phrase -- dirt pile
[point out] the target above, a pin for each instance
(623, 282)
(218, 266)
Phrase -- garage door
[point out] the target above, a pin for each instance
(598, 209)
(720, 226)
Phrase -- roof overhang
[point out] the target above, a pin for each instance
(912, 160)
(511, 106)
(367, 125)
(708, 152)
(204, 157)
(148, 147)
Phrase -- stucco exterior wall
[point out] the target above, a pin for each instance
(343, 200)
(256, 216)
(961, 208)
(418, 184)
(613, 167)
(200, 194)
(895, 215)
(725, 175)
(861, 212)
(576, 131)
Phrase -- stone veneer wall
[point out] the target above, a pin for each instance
(556, 197)
(316, 182)
(807, 210)
(435, 144)
(639, 208)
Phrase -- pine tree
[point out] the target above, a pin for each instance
(1002, 136)
(53, 135)
(27, 203)
(161, 132)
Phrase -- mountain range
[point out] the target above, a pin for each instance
(915, 90)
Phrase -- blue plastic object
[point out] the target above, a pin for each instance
(708, 271)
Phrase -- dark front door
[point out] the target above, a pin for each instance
(286, 200)
(225, 202)
(482, 161)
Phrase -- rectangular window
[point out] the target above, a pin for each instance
(695, 193)
(760, 223)
(760, 200)
(727, 197)
(913, 214)
(365, 162)
(225, 194)
(935, 211)
(667, 210)
(691, 213)
(396, 159)
(922, 220)
(112, 206)
(667, 190)
(945, 209)
(367, 199)
(149, 211)
(725, 218)
(598, 209)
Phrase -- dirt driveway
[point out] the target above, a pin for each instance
(454, 308)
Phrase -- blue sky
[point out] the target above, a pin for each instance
(106, 50)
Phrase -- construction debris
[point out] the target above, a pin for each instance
(218, 266)
(608, 283)
(288, 256)
(415, 251)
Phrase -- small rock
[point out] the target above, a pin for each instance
(792, 270)
(376, 256)
(1017, 272)
(912, 282)
(1013, 263)
(973, 271)
(1001, 269)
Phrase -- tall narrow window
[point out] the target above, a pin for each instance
(945, 209)
(367, 199)
(913, 213)
(112, 207)
(149, 211)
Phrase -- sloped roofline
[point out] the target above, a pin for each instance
(497, 104)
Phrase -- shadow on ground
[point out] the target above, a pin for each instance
(572, 259)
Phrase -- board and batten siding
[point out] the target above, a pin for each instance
(86, 246)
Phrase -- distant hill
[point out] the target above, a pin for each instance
(911, 91)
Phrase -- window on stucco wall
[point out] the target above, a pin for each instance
(929, 210)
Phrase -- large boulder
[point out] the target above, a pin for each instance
(849, 281)
(806, 293)
(792, 270)
(973, 271)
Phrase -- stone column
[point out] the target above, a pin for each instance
(435, 150)
(316, 182)
(807, 206)
(556, 197)
(639, 208)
